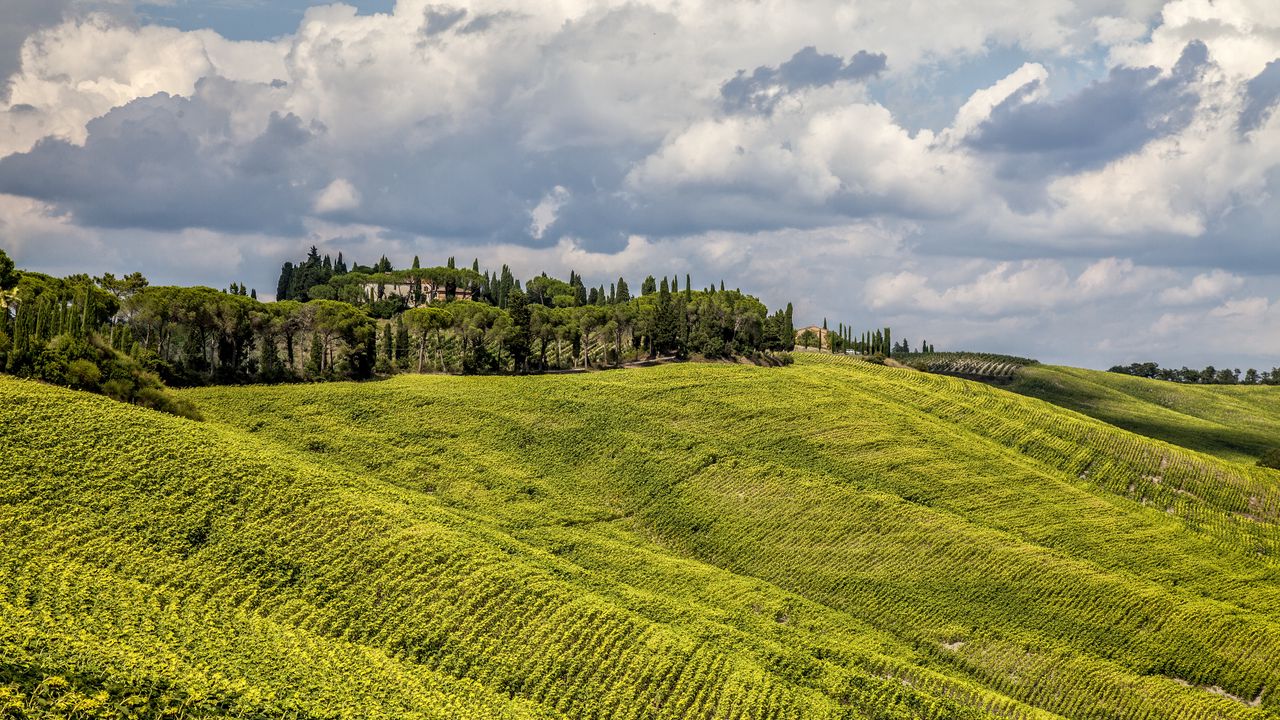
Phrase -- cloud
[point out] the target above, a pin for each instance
(766, 86)
(21, 19)
(1011, 288)
(1074, 156)
(1261, 95)
(1106, 120)
(167, 162)
(339, 195)
(1204, 287)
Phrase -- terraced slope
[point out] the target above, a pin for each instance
(832, 539)
(1235, 422)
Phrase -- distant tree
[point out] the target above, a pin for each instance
(649, 286)
(416, 264)
(623, 293)
(808, 338)
(283, 285)
(518, 343)
(315, 365)
(401, 342)
(9, 275)
(427, 323)
(386, 356)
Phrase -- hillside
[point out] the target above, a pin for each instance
(831, 539)
(1232, 421)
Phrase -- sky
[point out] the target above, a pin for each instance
(1087, 182)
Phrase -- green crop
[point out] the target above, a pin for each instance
(831, 539)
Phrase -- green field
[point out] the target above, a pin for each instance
(832, 539)
(1236, 422)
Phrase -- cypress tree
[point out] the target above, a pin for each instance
(316, 364)
(624, 292)
(284, 285)
(402, 341)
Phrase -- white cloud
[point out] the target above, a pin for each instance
(1031, 77)
(544, 213)
(1011, 288)
(1205, 286)
(339, 195)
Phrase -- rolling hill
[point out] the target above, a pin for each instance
(832, 539)
(1236, 422)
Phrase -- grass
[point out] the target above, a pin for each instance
(831, 539)
(1235, 422)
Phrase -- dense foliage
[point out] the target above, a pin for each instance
(338, 323)
(830, 540)
(48, 332)
(1208, 376)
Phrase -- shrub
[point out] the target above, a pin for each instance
(83, 374)
(1270, 459)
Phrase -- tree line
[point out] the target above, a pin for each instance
(874, 343)
(1208, 376)
(326, 326)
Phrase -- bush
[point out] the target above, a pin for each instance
(83, 374)
(89, 363)
(1270, 459)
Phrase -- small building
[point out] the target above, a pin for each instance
(819, 334)
(415, 293)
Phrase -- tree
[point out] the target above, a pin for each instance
(427, 323)
(285, 283)
(9, 275)
(518, 341)
(808, 339)
(385, 356)
(401, 343)
(649, 286)
(623, 293)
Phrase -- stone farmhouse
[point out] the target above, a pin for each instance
(414, 294)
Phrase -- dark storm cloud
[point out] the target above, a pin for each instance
(167, 163)
(1261, 95)
(1106, 120)
(761, 90)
